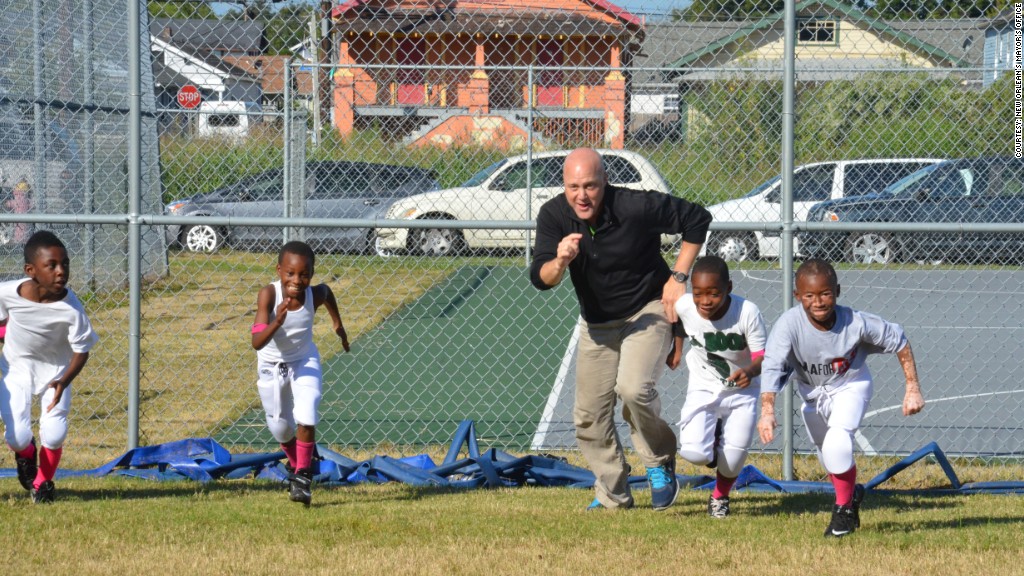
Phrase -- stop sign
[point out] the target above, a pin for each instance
(189, 96)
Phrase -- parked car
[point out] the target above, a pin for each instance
(333, 189)
(500, 192)
(812, 183)
(970, 190)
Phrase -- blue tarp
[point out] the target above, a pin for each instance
(204, 460)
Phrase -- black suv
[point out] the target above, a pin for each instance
(969, 190)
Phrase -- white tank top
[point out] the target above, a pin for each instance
(293, 341)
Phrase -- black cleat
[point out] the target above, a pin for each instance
(27, 469)
(718, 507)
(714, 448)
(43, 494)
(858, 497)
(301, 487)
(843, 522)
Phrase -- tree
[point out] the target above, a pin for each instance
(182, 10)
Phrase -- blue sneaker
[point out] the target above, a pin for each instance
(595, 505)
(664, 486)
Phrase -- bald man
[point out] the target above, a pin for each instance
(609, 239)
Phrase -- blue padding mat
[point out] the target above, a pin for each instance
(203, 460)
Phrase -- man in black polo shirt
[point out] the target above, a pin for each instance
(609, 239)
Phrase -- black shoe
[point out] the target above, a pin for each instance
(718, 442)
(858, 497)
(843, 522)
(288, 480)
(43, 494)
(718, 507)
(301, 487)
(27, 469)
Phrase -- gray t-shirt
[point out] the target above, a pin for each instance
(798, 351)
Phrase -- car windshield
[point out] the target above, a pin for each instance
(762, 187)
(482, 175)
(909, 184)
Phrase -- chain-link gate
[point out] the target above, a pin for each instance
(412, 143)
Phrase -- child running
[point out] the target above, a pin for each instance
(727, 339)
(823, 348)
(47, 341)
(289, 362)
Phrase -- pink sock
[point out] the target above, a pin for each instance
(844, 484)
(722, 486)
(48, 460)
(303, 454)
(289, 451)
(28, 452)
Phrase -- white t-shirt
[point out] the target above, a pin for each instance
(293, 341)
(800, 352)
(720, 347)
(42, 337)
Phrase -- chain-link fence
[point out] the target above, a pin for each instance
(412, 143)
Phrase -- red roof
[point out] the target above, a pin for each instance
(617, 12)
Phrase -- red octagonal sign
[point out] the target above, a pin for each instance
(189, 96)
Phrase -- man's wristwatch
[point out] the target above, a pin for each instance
(680, 277)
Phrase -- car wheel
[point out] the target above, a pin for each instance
(373, 246)
(202, 238)
(871, 248)
(733, 247)
(437, 242)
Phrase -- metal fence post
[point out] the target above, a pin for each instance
(134, 226)
(788, 121)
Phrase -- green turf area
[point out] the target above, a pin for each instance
(448, 356)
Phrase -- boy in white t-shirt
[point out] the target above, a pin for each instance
(727, 338)
(47, 338)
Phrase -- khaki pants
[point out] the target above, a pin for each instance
(623, 359)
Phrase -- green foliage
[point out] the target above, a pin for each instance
(734, 137)
(932, 9)
(181, 10)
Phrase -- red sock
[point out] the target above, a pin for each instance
(844, 484)
(48, 460)
(722, 486)
(289, 451)
(303, 454)
(27, 452)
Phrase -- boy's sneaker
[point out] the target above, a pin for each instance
(858, 497)
(43, 494)
(664, 486)
(290, 471)
(714, 447)
(843, 522)
(27, 469)
(718, 507)
(300, 488)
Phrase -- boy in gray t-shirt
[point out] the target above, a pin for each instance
(822, 348)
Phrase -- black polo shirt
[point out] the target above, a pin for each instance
(619, 269)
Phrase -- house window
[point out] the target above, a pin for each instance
(815, 31)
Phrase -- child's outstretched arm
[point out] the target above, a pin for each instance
(63, 382)
(263, 329)
(913, 400)
(676, 353)
(323, 294)
(766, 425)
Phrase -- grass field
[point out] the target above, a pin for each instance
(124, 526)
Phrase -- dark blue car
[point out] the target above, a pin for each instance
(969, 190)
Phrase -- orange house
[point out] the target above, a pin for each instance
(453, 73)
